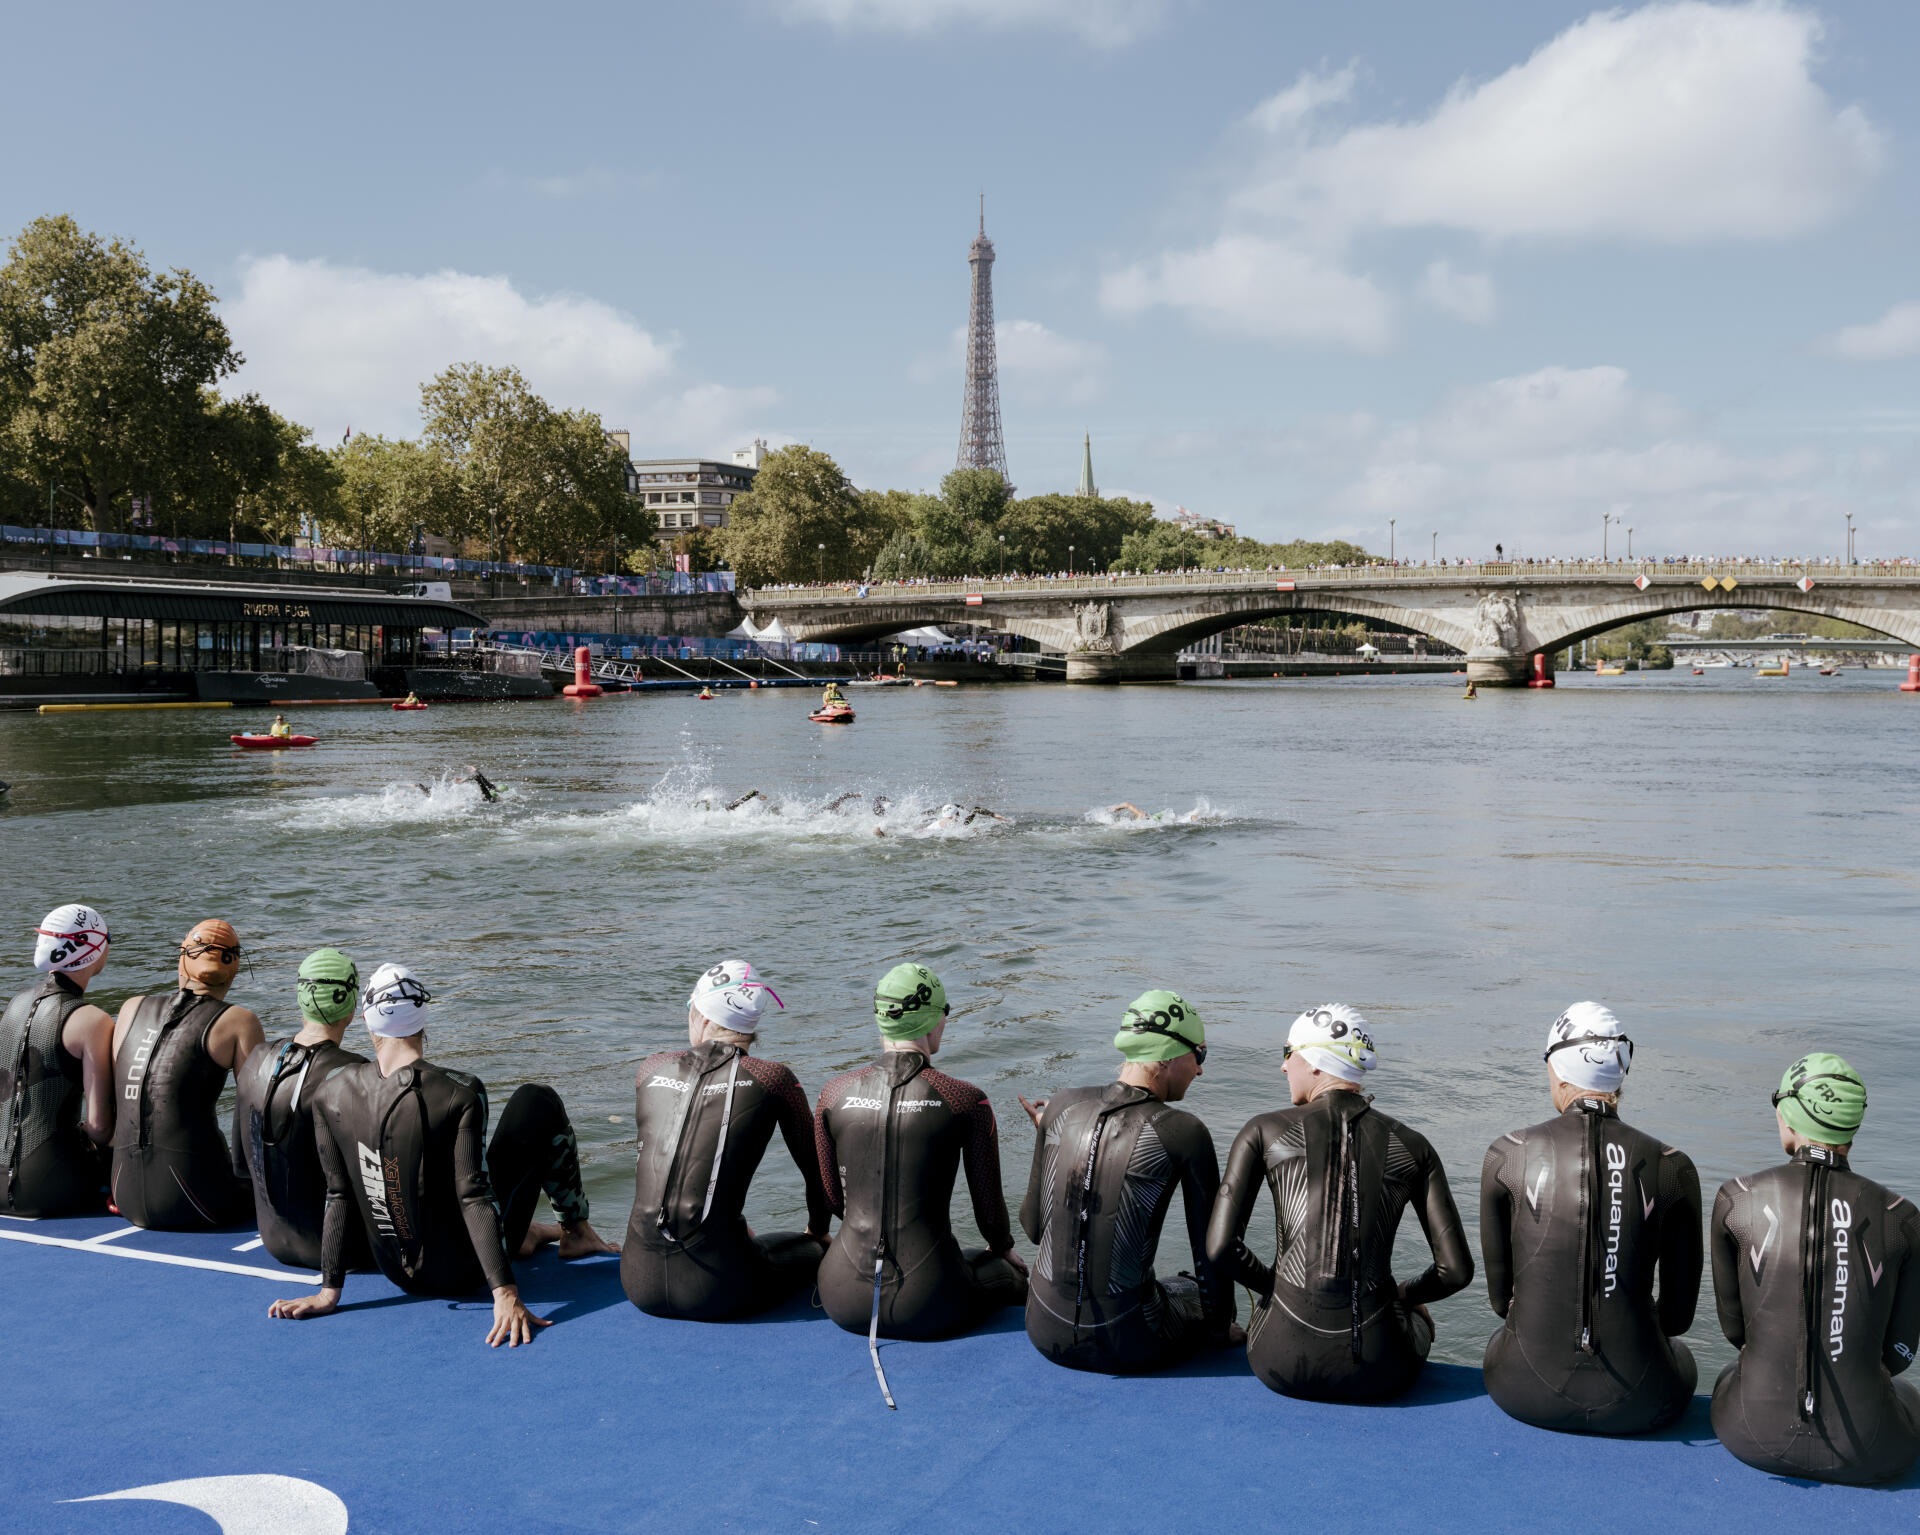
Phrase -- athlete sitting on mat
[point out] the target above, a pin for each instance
(273, 1142)
(422, 1183)
(1106, 1163)
(703, 1119)
(891, 1137)
(1586, 1347)
(172, 1170)
(1816, 1275)
(56, 1051)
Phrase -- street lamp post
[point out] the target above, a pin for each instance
(820, 562)
(1069, 562)
(1390, 522)
(1849, 538)
(1629, 543)
(1606, 519)
(1003, 556)
(1436, 550)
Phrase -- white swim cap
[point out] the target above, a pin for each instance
(729, 995)
(394, 1003)
(71, 938)
(1587, 1048)
(1334, 1039)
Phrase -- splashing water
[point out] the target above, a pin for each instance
(1202, 814)
(448, 799)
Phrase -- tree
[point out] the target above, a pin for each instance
(105, 368)
(387, 489)
(799, 502)
(534, 482)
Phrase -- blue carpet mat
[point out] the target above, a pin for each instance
(125, 1373)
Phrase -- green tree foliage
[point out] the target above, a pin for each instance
(106, 387)
(533, 482)
(1167, 546)
(387, 489)
(800, 501)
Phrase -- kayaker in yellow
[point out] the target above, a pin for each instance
(412, 701)
(281, 729)
(832, 696)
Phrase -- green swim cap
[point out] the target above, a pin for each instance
(1159, 1026)
(328, 987)
(909, 1002)
(1822, 1098)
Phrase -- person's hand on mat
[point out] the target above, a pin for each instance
(1019, 1263)
(1419, 1311)
(822, 1238)
(513, 1324)
(1034, 1110)
(323, 1304)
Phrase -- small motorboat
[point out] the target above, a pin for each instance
(272, 743)
(1828, 671)
(833, 714)
(1609, 671)
(403, 704)
(1698, 672)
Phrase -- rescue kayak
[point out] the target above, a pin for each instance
(271, 743)
(840, 716)
(409, 706)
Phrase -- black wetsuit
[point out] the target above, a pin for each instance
(688, 1252)
(1106, 1162)
(1816, 1274)
(48, 1166)
(1576, 1215)
(1328, 1321)
(274, 1149)
(891, 1137)
(441, 1206)
(172, 1170)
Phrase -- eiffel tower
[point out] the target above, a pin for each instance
(981, 446)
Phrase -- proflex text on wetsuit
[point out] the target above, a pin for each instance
(1816, 1276)
(1106, 1162)
(274, 1149)
(48, 1166)
(442, 1207)
(1329, 1322)
(1577, 1215)
(172, 1170)
(703, 1119)
(891, 1137)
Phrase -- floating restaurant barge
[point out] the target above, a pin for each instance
(106, 639)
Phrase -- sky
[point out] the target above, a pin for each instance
(1428, 276)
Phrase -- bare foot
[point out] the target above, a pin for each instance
(582, 1241)
(539, 1234)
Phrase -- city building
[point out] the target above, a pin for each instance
(690, 493)
(1206, 527)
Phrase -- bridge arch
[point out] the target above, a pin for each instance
(1575, 624)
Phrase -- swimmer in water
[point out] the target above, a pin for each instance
(1341, 1174)
(451, 1213)
(704, 1118)
(280, 730)
(1473, 690)
(845, 799)
(1106, 1163)
(489, 791)
(1586, 1347)
(891, 1137)
(56, 1049)
(1821, 1336)
(172, 1055)
(1134, 813)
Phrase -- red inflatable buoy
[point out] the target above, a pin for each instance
(1912, 684)
(583, 685)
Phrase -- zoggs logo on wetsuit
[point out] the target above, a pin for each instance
(677, 1086)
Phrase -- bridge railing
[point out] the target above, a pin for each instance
(1739, 572)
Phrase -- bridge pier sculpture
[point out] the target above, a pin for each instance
(1498, 617)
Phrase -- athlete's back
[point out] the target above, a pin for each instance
(1578, 1216)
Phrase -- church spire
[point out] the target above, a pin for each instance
(1087, 487)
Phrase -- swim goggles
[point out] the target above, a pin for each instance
(1780, 1096)
(1590, 1039)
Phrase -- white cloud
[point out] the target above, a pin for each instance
(1670, 125)
(1264, 287)
(1464, 295)
(1895, 334)
(334, 346)
(1102, 23)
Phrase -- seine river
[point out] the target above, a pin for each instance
(1727, 861)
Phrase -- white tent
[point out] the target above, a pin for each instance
(927, 636)
(1369, 651)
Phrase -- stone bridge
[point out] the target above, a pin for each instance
(1130, 628)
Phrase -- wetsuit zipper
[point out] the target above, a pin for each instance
(1589, 1235)
(1085, 1212)
(1811, 1274)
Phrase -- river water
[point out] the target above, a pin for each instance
(1727, 861)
